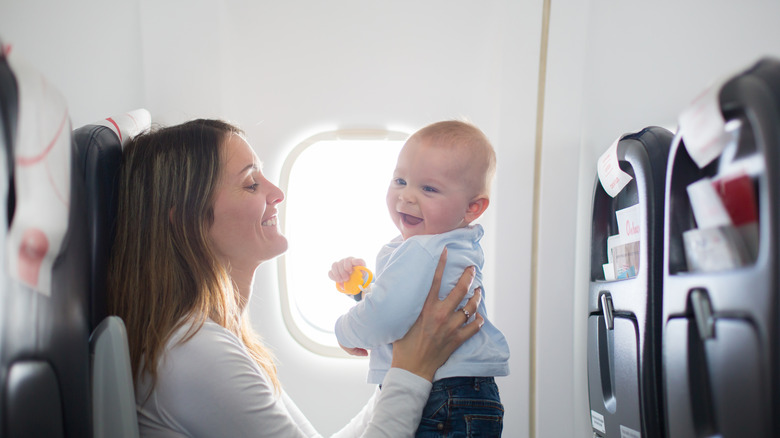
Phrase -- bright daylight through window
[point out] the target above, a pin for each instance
(335, 185)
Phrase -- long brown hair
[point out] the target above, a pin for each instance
(163, 272)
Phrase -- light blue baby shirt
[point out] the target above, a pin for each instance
(404, 273)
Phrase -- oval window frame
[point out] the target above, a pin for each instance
(291, 321)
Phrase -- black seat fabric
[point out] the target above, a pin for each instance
(100, 153)
(99, 150)
(33, 383)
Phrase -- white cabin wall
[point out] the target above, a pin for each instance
(184, 66)
(512, 207)
(557, 374)
(88, 49)
(622, 66)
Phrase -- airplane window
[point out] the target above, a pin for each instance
(335, 185)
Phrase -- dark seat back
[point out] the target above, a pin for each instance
(100, 152)
(99, 148)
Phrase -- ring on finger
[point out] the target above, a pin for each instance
(466, 312)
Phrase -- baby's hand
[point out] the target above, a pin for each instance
(342, 269)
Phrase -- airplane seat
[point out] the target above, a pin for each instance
(44, 350)
(99, 148)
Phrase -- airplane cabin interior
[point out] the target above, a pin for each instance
(632, 242)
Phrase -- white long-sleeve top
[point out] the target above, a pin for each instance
(404, 271)
(209, 386)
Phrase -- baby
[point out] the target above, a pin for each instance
(440, 185)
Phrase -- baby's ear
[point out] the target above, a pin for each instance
(476, 208)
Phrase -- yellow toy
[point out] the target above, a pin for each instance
(358, 281)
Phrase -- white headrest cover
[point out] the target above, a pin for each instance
(129, 124)
(42, 162)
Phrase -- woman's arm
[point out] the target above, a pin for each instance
(394, 411)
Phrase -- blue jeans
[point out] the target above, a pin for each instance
(462, 407)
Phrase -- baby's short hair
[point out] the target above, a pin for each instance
(459, 134)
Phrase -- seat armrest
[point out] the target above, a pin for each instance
(113, 395)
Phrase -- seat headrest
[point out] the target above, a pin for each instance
(129, 124)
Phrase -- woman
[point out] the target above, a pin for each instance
(196, 217)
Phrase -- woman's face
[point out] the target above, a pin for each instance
(244, 232)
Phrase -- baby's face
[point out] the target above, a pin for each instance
(429, 193)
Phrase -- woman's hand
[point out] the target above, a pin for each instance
(440, 329)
